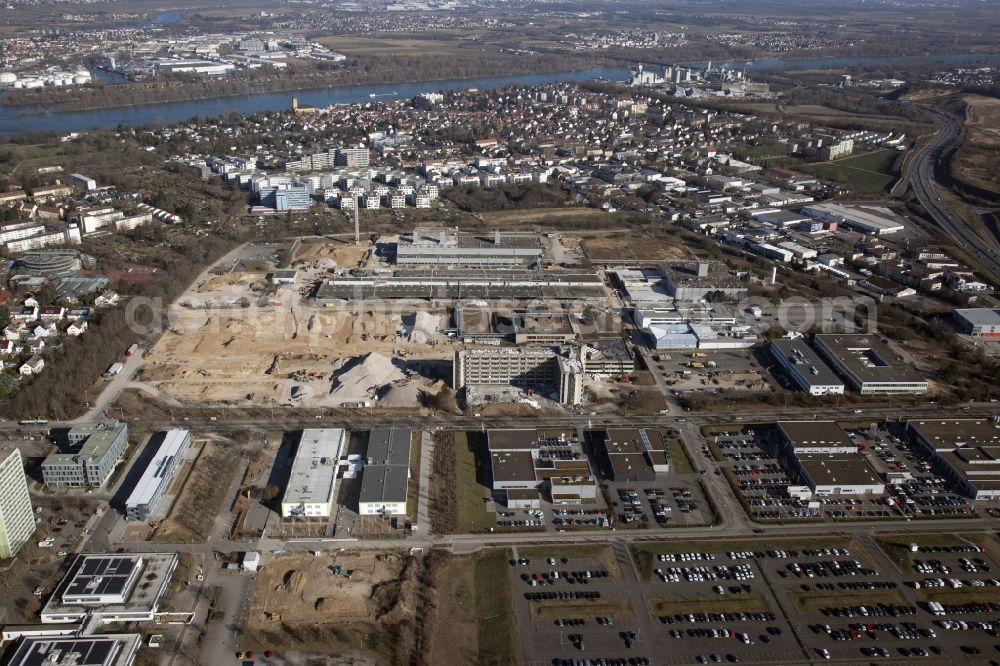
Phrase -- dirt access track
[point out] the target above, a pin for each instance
(301, 603)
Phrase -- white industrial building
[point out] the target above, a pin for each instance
(860, 219)
(312, 483)
(158, 475)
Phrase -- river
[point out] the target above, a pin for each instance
(171, 112)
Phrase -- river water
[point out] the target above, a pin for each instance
(13, 122)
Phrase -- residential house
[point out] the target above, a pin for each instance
(51, 313)
(77, 328)
(32, 366)
(106, 299)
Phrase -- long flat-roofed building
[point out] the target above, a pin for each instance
(964, 451)
(385, 480)
(869, 365)
(101, 446)
(806, 368)
(107, 587)
(459, 283)
(312, 483)
(158, 474)
(860, 219)
(815, 437)
(440, 246)
(94, 650)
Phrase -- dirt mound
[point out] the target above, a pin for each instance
(227, 280)
(293, 582)
(363, 377)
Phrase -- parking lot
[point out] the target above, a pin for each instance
(571, 608)
(671, 502)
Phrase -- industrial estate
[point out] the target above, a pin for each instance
(499, 333)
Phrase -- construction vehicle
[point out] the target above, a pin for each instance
(339, 570)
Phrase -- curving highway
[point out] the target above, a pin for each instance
(921, 177)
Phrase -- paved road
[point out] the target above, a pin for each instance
(920, 176)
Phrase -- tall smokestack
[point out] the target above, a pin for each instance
(774, 274)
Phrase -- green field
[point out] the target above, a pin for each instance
(472, 514)
(866, 174)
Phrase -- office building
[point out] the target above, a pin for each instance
(385, 480)
(158, 475)
(806, 368)
(77, 650)
(121, 587)
(525, 465)
(634, 455)
(312, 483)
(869, 365)
(285, 197)
(545, 370)
(95, 450)
(17, 517)
(964, 451)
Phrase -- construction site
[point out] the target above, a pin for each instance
(360, 603)
(253, 338)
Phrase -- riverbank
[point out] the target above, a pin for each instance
(363, 71)
(171, 112)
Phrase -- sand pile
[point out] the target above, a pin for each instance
(420, 327)
(363, 377)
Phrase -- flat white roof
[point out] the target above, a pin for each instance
(151, 479)
(313, 478)
(858, 217)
